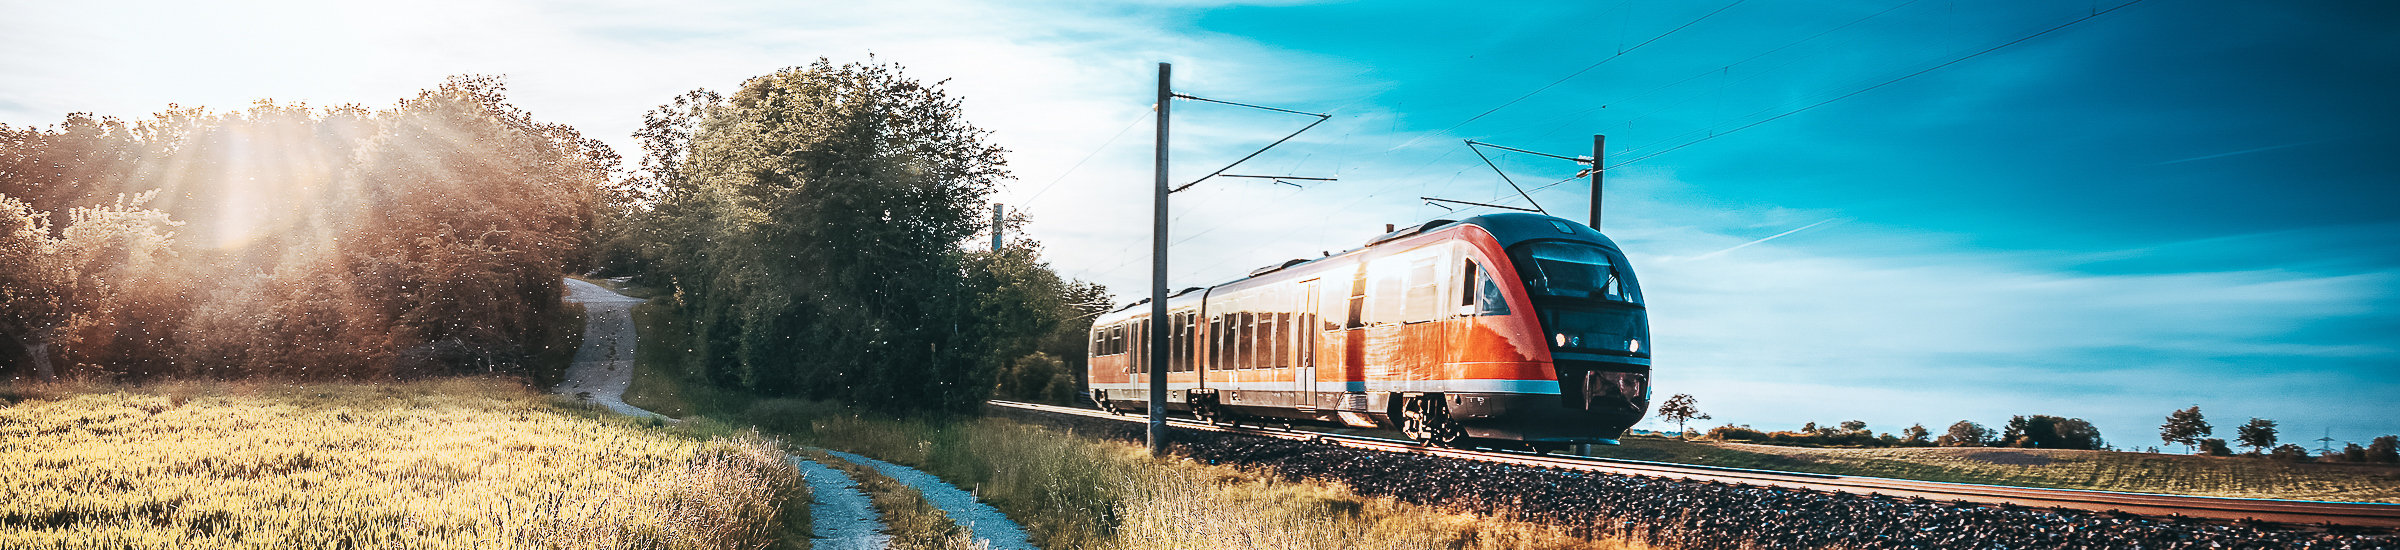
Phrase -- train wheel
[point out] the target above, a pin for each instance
(1424, 419)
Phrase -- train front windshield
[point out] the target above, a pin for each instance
(1586, 296)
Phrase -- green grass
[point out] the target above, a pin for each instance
(2063, 469)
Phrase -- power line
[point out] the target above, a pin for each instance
(1715, 135)
(1087, 158)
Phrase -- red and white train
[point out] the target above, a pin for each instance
(1516, 328)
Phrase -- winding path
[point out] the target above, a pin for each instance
(604, 365)
(844, 518)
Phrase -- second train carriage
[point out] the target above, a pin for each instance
(1507, 327)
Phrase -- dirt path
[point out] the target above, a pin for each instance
(988, 525)
(844, 518)
(604, 366)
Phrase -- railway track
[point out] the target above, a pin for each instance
(2352, 514)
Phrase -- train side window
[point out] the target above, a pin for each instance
(1466, 294)
(1423, 302)
(1216, 341)
(1387, 291)
(1358, 298)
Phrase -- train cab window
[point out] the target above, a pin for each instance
(1488, 299)
(1574, 270)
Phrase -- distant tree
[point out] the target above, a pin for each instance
(2185, 426)
(2258, 435)
(2354, 453)
(2290, 453)
(2051, 432)
(1965, 434)
(2214, 447)
(1680, 409)
(1809, 428)
(1855, 425)
(1916, 435)
(2385, 450)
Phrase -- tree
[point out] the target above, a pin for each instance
(2258, 435)
(811, 224)
(1965, 434)
(1854, 425)
(1916, 435)
(2289, 453)
(75, 287)
(2051, 432)
(2384, 450)
(2351, 452)
(2214, 447)
(2185, 426)
(1680, 409)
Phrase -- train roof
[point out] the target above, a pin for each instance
(1508, 228)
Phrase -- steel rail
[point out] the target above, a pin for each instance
(2303, 512)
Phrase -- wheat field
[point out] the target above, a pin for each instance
(462, 463)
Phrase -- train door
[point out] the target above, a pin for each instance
(1304, 367)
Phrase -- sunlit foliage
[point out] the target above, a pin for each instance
(321, 243)
(811, 227)
(461, 463)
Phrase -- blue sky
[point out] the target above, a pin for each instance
(2172, 203)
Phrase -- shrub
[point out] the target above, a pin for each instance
(2215, 447)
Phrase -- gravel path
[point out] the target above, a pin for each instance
(989, 526)
(604, 365)
(845, 519)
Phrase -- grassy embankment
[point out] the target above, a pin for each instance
(2094, 470)
(1074, 492)
(460, 463)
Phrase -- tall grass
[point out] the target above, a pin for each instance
(1075, 492)
(459, 463)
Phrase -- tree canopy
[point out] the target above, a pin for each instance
(811, 226)
(292, 241)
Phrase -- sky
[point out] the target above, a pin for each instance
(1893, 211)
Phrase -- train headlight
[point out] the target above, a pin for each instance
(1633, 345)
(1561, 338)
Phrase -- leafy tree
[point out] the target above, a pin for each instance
(2185, 426)
(2351, 452)
(2290, 453)
(810, 225)
(76, 287)
(2214, 447)
(1965, 434)
(2051, 432)
(1916, 436)
(1680, 409)
(2258, 435)
(2384, 450)
(1854, 425)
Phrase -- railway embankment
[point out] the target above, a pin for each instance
(1701, 515)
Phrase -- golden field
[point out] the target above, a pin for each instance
(460, 463)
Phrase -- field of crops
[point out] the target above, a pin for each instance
(463, 463)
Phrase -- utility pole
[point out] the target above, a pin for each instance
(997, 228)
(1158, 278)
(1599, 142)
